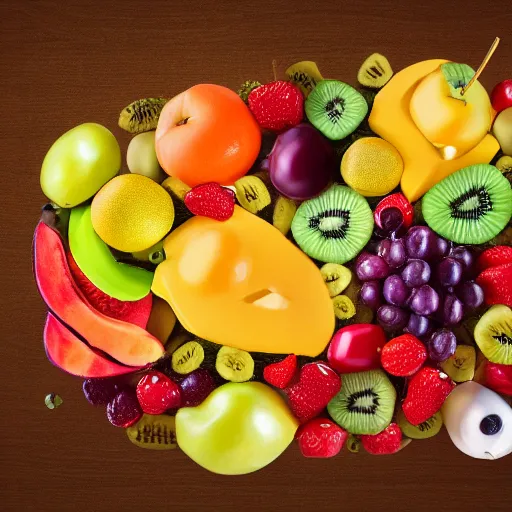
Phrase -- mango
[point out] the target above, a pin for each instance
(241, 283)
(391, 119)
(238, 429)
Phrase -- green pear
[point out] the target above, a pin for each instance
(238, 429)
(79, 163)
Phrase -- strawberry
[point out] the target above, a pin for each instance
(426, 394)
(496, 282)
(280, 374)
(277, 106)
(385, 443)
(493, 257)
(321, 437)
(398, 201)
(211, 200)
(318, 383)
(157, 393)
(403, 356)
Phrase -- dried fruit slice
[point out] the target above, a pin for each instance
(375, 71)
(141, 115)
(336, 277)
(188, 357)
(461, 366)
(343, 307)
(493, 334)
(125, 342)
(234, 364)
(429, 428)
(305, 74)
(154, 432)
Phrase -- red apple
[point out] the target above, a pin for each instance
(501, 95)
(356, 348)
(497, 377)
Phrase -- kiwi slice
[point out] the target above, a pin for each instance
(424, 430)
(282, 216)
(493, 334)
(187, 358)
(461, 366)
(234, 365)
(365, 403)
(343, 307)
(471, 206)
(305, 74)
(252, 194)
(141, 115)
(335, 108)
(334, 226)
(375, 72)
(336, 277)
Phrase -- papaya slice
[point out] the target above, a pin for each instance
(126, 343)
(72, 355)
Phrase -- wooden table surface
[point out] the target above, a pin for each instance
(65, 63)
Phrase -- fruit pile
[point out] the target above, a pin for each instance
(300, 260)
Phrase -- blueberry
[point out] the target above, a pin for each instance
(491, 425)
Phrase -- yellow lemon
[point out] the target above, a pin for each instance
(372, 166)
(132, 212)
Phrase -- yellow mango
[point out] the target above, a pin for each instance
(391, 119)
(241, 283)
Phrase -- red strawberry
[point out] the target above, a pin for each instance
(157, 393)
(277, 106)
(211, 200)
(398, 201)
(280, 374)
(493, 257)
(426, 394)
(385, 443)
(496, 282)
(321, 437)
(317, 384)
(403, 356)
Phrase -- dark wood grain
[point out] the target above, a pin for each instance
(64, 63)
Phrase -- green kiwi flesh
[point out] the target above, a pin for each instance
(424, 430)
(334, 226)
(471, 206)
(365, 404)
(336, 109)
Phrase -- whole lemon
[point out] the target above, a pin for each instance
(372, 166)
(79, 163)
(132, 212)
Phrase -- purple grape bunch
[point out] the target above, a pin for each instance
(420, 284)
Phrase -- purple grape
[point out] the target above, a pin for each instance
(101, 391)
(394, 290)
(392, 252)
(471, 294)
(424, 300)
(416, 273)
(196, 386)
(370, 294)
(449, 272)
(301, 162)
(124, 410)
(442, 247)
(421, 243)
(452, 310)
(441, 345)
(417, 325)
(370, 267)
(391, 219)
(464, 256)
(392, 318)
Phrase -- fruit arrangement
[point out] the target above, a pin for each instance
(302, 259)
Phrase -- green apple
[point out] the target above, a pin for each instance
(79, 163)
(238, 429)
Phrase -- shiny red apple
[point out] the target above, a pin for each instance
(497, 377)
(501, 95)
(356, 348)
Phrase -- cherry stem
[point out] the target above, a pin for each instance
(487, 58)
(274, 69)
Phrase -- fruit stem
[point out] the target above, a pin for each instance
(274, 69)
(487, 58)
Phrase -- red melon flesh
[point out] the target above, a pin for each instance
(136, 312)
(72, 355)
(126, 343)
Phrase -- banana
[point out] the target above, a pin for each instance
(154, 432)
(305, 74)
(141, 115)
(336, 277)
(234, 365)
(187, 358)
